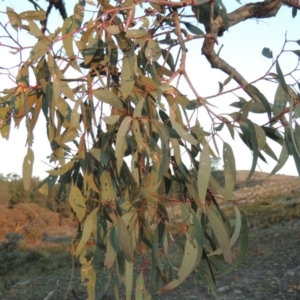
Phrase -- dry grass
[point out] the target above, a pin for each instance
(28, 219)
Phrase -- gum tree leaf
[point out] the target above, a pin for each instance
(108, 97)
(34, 29)
(27, 169)
(229, 170)
(260, 137)
(125, 240)
(167, 55)
(281, 100)
(14, 18)
(236, 233)
(222, 235)
(111, 120)
(141, 292)
(153, 51)
(281, 77)
(128, 279)
(192, 28)
(121, 144)
(136, 33)
(190, 261)
(88, 226)
(113, 29)
(284, 154)
(77, 202)
(267, 52)
(127, 78)
(204, 172)
(243, 248)
(30, 15)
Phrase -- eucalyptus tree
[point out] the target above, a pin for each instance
(124, 135)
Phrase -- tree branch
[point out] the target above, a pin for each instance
(292, 3)
(258, 10)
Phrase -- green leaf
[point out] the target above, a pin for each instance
(108, 97)
(236, 233)
(267, 53)
(141, 292)
(183, 134)
(268, 150)
(124, 239)
(110, 256)
(262, 98)
(294, 12)
(136, 33)
(121, 144)
(204, 172)
(128, 278)
(190, 261)
(167, 55)
(27, 169)
(297, 52)
(192, 28)
(229, 170)
(281, 77)
(127, 78)
(219, 228)
(260, 137)
(220, 9)
(228, 79)
(96, 152)
(113, 29)
(14, 18)
(250, 133)
(152, 51)
(34, 29)
(243, 248)
(111, 120)
(88, 226)
(67, 29)
(284, 154)
(280, 102)
(30, 15)
(77, 202)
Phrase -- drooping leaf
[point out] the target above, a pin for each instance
(30, 15)
(243, 248)
(280, 102)
(27, 169)
(204, 172)
(108, 97)
(190, 261)
(88, 225)
(222, 235)
(121, 144)
(229, 170)
(124, 239)
(128, 279)
(113, 29)
(136, 33)
(192, 28)
(77, 202)
(281, 77)
(127, 78)
(282, 159)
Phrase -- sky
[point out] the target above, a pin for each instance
(242, 47)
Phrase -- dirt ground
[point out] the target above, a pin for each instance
(270, 271)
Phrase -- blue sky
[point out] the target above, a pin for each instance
(242, 48)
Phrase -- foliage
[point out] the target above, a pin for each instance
(9, 253)
(122, 127)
